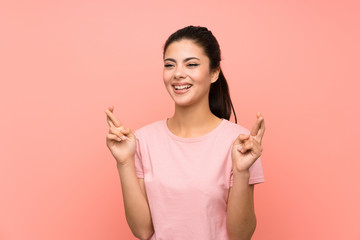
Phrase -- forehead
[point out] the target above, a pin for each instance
(184, 48)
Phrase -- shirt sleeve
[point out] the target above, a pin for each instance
(256, 173)
(138, 160)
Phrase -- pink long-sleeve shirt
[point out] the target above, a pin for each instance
(187, 180)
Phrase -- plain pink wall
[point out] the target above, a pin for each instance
(63, 62)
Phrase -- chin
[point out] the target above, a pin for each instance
(182, 102)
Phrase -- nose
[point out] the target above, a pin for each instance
(179, 73)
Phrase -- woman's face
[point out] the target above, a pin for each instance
(187, 75)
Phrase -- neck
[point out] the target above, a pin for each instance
(193, 120)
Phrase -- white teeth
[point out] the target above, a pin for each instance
(182, 87)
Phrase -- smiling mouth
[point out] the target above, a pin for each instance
(182, 87)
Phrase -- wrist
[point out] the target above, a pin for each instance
(242, 174)
(124, 164)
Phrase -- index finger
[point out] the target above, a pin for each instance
(256, 127)
(112, 117)
(261, 129)
(111, 124)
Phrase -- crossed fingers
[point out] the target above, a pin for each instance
(116, 129)
(111, 119)
(253, 141)
(248, 142)
(259, 128)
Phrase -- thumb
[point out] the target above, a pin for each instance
(241, 138)
(127, 131)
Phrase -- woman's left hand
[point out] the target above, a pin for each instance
(247, 148)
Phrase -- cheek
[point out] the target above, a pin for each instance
(201, 77)
(166, 78)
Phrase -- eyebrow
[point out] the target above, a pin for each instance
(186, 59)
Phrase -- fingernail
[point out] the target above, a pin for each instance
(123, 137)
(239, 148)
(118, 139)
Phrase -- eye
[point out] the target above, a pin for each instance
(193, 64)
(168, 65)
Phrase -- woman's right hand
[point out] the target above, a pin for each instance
(120, 140)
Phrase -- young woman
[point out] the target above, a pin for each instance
(190, 176)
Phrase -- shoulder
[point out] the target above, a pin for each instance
(149, 129)
(235, 128)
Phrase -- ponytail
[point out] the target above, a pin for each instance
(219, 98)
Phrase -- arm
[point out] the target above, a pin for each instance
(137, 210)
(240, 217)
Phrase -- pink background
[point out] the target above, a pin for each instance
(63, 62)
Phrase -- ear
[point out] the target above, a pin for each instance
(215, 75)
